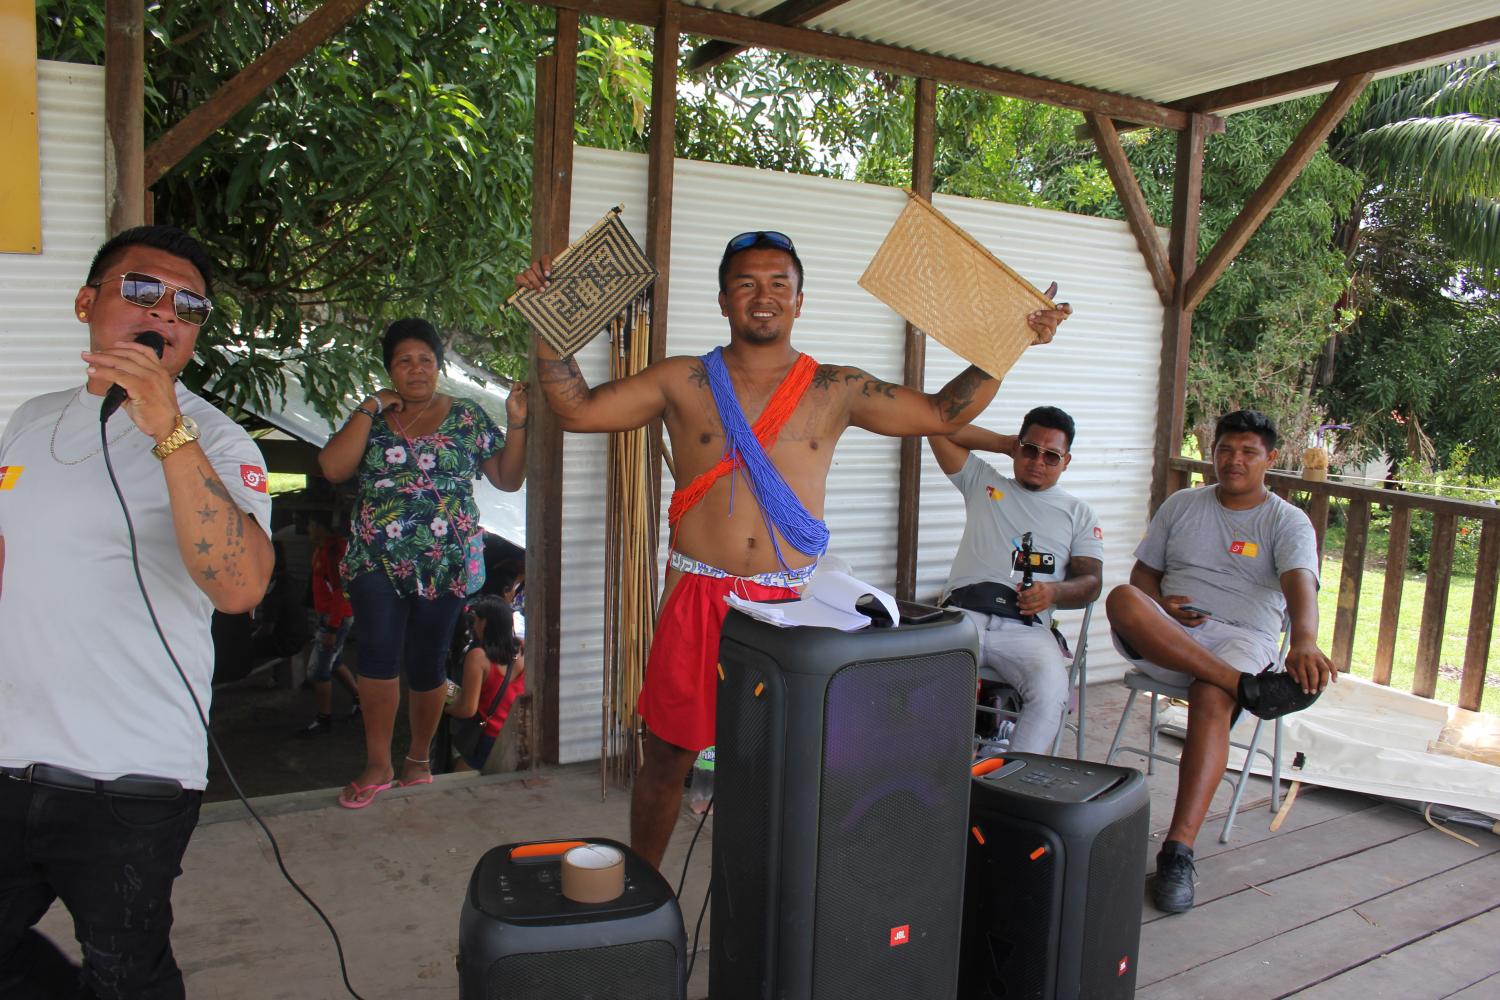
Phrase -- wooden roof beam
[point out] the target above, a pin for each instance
(246, 85)
(1407, 53)
(749, 32)
(710, 54)
(1137, 212)
(1287, 169)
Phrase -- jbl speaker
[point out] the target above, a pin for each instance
(520, 938)
(1057, 861)
(841, 805)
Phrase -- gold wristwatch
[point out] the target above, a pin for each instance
(185, 431)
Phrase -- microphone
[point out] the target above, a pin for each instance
(116, 395)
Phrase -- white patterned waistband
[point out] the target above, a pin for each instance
(790, 579)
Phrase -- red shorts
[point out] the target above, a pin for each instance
(682, 677)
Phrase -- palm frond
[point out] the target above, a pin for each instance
(1465, 86)
(1453, 157)
(1472, 228)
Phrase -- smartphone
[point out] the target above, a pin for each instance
(1195, 610)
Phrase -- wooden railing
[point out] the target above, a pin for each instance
(1447, 514)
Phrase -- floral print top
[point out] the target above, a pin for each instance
(399, 525)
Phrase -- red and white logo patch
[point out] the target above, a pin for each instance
(1099, 533)
(901, 935)
(254, 478)
(1123, 967)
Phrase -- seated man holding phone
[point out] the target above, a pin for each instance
(1219, 570)
(1020, 531)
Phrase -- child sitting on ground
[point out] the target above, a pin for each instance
(497, 655)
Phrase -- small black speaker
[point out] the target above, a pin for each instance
(840, 809)
(520, 938)
(1057, 861)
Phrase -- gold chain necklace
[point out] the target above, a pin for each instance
(52, 445)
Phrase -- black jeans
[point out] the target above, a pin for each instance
(112, 861)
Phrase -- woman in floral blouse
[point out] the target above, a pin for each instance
(417, 453)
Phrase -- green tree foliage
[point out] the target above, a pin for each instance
(387, 174)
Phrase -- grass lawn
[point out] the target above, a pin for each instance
(285, 482)
(1409, 623)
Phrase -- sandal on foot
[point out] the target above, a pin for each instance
(1271, 694)
(359, 803)
(425, 779)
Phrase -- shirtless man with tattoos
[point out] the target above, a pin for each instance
(799, 409)
(103, 757)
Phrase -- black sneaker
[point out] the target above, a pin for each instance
(1273, 693)
(1175, 875)
(320, 726)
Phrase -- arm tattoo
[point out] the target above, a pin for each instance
(207, 513)
(870, 385)
(234, 529)
(698, 374)
(825, 376)
(562, 381)
(203, 545)
(958, 395)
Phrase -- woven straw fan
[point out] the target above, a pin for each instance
(945, 283)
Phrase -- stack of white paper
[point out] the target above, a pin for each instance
(831, 600)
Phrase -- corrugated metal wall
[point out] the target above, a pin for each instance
(1102, 369)
(42, 337)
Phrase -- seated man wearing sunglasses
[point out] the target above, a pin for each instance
(1016, 640)
(747, 514)
(103, 756)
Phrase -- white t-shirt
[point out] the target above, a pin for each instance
(1230, 562)
(1000, 510)
(84, 680)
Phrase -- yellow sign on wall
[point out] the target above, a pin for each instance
(20, 157)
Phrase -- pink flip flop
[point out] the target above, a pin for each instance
(359, 803)
(424, 780)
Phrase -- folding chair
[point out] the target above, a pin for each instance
(1078, 678)
(1138, 680)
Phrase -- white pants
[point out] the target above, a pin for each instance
(1028, 658)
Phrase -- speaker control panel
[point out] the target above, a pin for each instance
(1049, 778)
(522, 888)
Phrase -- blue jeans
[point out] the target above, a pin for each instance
(112, 861)
(388, 624)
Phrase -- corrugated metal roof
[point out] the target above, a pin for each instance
(1102, 370)
(42, 337)
(1163, 51)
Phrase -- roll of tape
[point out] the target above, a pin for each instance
(594, 873)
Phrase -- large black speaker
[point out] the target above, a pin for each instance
(519, 938)
(1057, 861)
(840, 810)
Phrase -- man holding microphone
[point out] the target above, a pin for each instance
(103, 756)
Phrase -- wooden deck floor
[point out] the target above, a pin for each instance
(1353, 897)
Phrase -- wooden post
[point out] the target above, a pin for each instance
(1177, 327)
(1434, 604)
(1317, 513)
(1356, 537)
(1481, 619)
(552, 191)
(124, 114)
(909, 498)
(659, 176)
(1390, 598)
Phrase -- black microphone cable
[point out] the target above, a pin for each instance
(681, 882)
(135, 563)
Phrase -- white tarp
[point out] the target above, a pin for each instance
(1365, 737)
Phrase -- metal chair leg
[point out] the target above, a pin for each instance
(1114, 745)
(1239, 786)
(1151, 760)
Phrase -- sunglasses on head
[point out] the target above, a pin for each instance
(1033, 452)
(744, 241)
(146, 290)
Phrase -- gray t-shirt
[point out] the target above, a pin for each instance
(84, 681)
(1000, 510)
(1230, 562)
